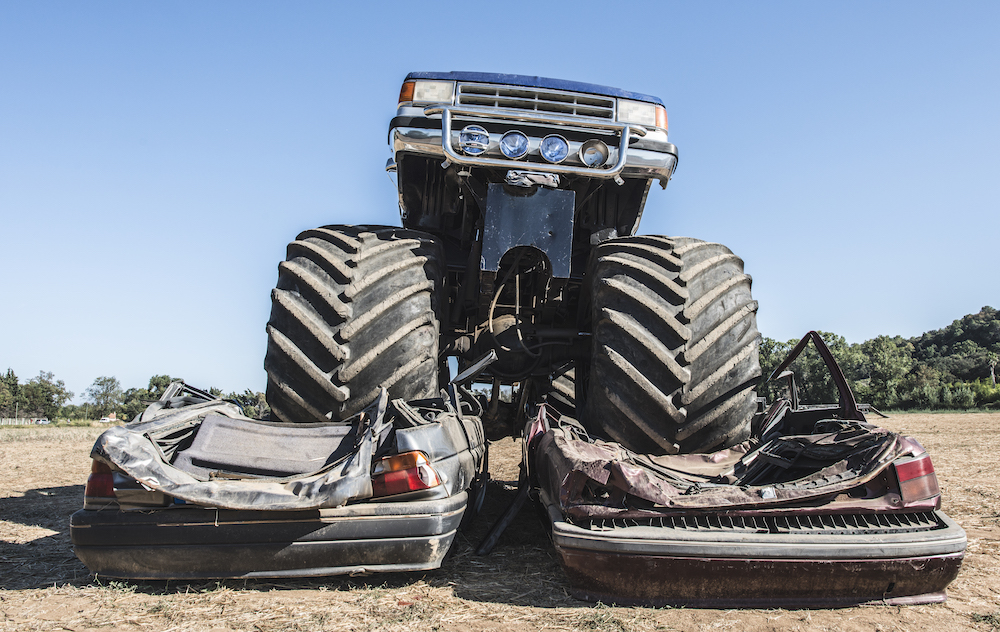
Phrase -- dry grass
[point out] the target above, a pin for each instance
(50, 434)
(519, 587)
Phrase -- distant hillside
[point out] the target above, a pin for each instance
(954, 367)
(962, 350)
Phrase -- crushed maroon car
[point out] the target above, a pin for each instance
(818, 508)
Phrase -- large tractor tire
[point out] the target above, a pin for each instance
(354, 309)
(675, 343)
(562, 390)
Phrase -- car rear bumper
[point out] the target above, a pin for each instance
(715, 568)
(205, 543)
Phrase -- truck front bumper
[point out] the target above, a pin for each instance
(634, 151)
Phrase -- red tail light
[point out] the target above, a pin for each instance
(917, 480)
(401, 473)
(101, 483)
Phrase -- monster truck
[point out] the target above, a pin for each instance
(518, 256)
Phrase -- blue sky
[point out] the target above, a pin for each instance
(156, 158)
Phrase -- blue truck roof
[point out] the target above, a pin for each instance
(534, 82)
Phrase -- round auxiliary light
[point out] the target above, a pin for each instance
(473, 140)
(594, 153)
(554, 148)
(514, 145)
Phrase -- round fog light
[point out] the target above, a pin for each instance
(514, 145)
(473, 140)
(594, 153)
(554, 148)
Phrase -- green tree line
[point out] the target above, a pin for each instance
(41, 396)
(45, 396)
(950, 368)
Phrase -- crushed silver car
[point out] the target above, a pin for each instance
(196, 490)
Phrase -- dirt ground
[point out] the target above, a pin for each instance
(518, 587)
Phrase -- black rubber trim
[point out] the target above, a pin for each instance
(420, 122)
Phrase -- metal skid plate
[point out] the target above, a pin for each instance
(542, 218)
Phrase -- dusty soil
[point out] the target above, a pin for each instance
(519, 587)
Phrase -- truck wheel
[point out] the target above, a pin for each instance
(562, 391)
(354, 309)
(674, 345)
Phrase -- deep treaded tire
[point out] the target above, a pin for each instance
(354, 310)
(674, 345)
(562, 391)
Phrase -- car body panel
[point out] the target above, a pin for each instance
(627, 579)
(197, 542)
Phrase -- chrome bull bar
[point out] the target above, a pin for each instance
(625, 130)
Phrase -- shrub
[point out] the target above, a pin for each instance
(963, 397)
(947, 396)
(925, 396)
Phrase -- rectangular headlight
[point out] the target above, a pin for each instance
(433, 91)
(636, 112)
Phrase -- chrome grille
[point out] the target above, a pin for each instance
(836, 524)
(536, 100)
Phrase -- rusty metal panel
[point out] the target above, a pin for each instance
(714, 583)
